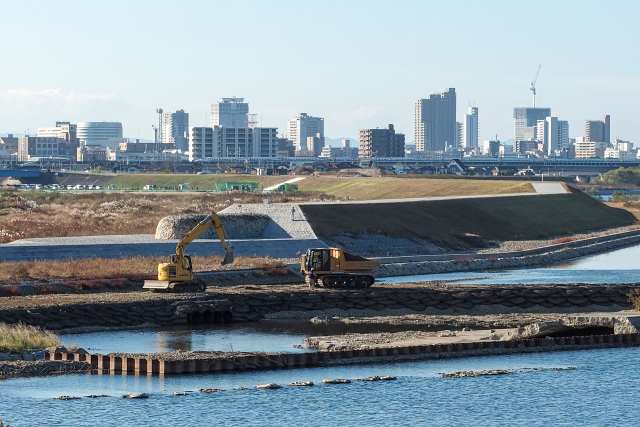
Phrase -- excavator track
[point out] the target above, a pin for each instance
(346, 281)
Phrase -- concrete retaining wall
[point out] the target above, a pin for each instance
(498, 261)
(150, 365)
(254, 305)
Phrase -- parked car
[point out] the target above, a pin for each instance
(149, 187)
(98, 187)
(69, 187)
(91, 187)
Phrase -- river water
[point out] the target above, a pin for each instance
(274, 335)
(619, 266)
(603, 391)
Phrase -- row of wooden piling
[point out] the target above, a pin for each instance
(109, 363)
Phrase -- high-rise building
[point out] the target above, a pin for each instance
(553, 134)
(598, 130)
(302, 127)
(435, 121)
(381, 143)
(526, 122)
(470, 129)
(175, 129)
(230, 113)
(99, 133)
(459, 134)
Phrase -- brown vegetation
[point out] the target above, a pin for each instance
(92, 270)
(562, 240)
(18, 337)
(36, 214)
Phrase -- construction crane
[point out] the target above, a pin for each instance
(533, 86)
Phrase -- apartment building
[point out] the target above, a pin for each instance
(381, 143)
(435, 121)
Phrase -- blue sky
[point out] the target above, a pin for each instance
(358, 64)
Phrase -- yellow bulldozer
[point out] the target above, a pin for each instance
(177, 274)
(336, 268)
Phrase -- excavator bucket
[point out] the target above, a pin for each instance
(228, 256)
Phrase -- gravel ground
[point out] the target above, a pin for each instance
(281, 226)
(487, 321)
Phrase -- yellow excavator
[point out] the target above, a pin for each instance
(177, 275)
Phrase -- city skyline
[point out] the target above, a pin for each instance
(69, 77)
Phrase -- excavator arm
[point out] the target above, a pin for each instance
(211, 220)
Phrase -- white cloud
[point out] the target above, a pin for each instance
(25, 97)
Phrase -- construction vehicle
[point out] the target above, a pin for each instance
(177, 275)
(336, 268)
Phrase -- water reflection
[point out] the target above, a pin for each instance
(272, 335)
(175, 340)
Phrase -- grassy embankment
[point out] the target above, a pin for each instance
(354, 188)
(201, 182)
(446, 222)
(398, 188)
(22, 337)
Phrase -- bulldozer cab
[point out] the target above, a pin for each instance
(318, 259)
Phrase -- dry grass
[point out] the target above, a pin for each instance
(94, 269)
(22, 337)
(396, 188)
(562, 240)
(39, 214)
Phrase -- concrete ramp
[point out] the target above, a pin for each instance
(549, 188)
(275, 187)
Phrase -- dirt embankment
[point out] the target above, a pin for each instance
(469, 223)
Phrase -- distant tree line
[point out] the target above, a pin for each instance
(621, 176)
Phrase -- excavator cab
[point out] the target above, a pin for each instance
(319, 260)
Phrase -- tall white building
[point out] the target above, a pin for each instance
(230, 113)
(470, 129)
(175, 129)
(99, 133)
(302, 127)
(554, 134)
